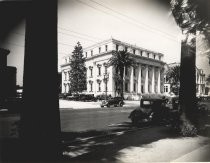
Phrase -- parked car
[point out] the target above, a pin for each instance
(155, 111)
(116, 101)
(87, 97)
(64, 95)
(103, 97)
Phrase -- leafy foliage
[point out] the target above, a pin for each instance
(173, 76)
(189, 15)
(78, 70)
(120, 60)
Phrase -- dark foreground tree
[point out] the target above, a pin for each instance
(40, 119)
(190, 17)
(173, 76)
(120, 60)
(78, 70)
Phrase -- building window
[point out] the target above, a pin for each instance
(99, 87)
(134, 87)
(99, 70)
(126, 49)
(141, 53)
(126, 86)
(166, 88)
(154, 56)
(65, 75)
(64, 88)
(69, 88)
(91, 52)
(105, 69)
(142, 88)
(99, 49)
(106, 48)
(117, 47)
(91, 72)
(159, 57)
(148, 55)
(86, 54)
(69, 75)
(141, 73)
(134, 72)
(91, 87)
(134, 51)
(126, 71)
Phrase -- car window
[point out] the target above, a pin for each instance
(145, 103)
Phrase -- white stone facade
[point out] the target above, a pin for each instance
(146, 77)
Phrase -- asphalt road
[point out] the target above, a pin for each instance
(94, 119)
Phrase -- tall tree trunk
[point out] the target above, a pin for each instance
(122, 82)
(40, 120)
(187, 93)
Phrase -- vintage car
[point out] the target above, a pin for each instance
(155, 111)
(115, 101)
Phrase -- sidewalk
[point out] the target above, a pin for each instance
(65, 104)
(155, 144)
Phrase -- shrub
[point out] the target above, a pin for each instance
(188, 130)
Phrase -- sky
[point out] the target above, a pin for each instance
(144, 23)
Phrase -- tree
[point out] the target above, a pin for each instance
(40, 120)
(173, 76)
(77, 74)
(120, 60)
(190, 18)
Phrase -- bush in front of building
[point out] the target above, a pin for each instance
(156, 96)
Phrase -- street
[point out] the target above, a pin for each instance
(93, 119)
(106, 134)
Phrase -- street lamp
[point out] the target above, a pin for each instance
(106, 78)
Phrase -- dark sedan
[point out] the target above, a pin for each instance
(115, 101)
(152, 110)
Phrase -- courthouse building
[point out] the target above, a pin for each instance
(147, 77)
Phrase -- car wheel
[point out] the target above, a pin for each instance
(120, 103)
(102, 106)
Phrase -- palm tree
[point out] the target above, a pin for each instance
(120, 60)
(190, 19)
(173, 76)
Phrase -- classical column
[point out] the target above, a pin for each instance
(146, 79)
(139, 80)
(153, 79)
(158, 87)
(131, 80)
